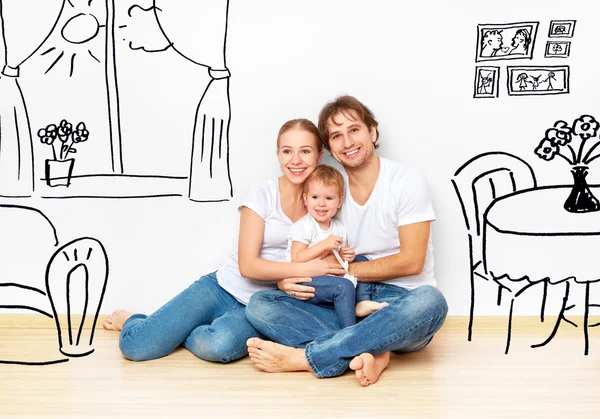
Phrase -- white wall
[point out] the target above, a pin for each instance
(411, 62)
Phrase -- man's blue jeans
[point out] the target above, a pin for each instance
(407, 324)
(204, 318)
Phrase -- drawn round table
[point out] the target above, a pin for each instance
(530, 236)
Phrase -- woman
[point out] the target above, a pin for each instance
(208, 318)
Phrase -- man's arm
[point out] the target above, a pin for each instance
(408, 261)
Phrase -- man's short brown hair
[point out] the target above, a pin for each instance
(326, 175)
(351, 108)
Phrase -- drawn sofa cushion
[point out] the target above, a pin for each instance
(27, 241)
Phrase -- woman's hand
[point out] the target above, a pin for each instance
(293, 287)
(317, 267)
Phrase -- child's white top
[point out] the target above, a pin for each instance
(400, 197)
(264, 200)
(308, 231)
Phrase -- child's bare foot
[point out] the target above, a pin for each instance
(364, 308)
(272, 357)
(368, 368)
(116, 320)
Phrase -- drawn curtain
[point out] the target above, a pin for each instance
(25, 26)
(197, 30)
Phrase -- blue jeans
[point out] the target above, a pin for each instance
(341, 293)
(204, 318)
(337, 291)
(407, 324)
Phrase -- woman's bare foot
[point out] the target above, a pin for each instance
(364, 308)
(368, 368)
(272, 357)
(116, 320)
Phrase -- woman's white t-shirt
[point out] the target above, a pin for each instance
(400, 197)
(264, 200)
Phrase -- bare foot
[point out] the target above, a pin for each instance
(364, 308)
(368, 368)
(116, 320)
(272, 357)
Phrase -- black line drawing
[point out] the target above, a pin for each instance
(561, 28)
(556, 49)
(22, 37)
(196, 31)
(558, 141)
(77, 271)
(61, 138)
(486, 82)
(512, 245)
(507, 41)
(534, 80)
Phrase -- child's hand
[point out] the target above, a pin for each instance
(333, 242)
(347, 253)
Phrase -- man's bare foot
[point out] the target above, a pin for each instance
(368, 368)
(364, 308)
(116, 320)
(272, 357)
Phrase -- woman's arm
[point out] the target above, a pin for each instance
(252, 229)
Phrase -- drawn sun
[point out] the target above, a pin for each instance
(80, 27)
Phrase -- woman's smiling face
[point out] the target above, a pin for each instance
(298, 154)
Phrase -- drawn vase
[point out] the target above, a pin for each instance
(581, 199)
(58, 172)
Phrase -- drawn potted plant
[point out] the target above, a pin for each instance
(559, 138)
(61, 138)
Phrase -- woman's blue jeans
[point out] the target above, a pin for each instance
(204, 318)
(407, 324)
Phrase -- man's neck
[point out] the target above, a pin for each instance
(362, 180)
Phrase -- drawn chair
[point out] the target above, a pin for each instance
(477, 184)
(74, 277)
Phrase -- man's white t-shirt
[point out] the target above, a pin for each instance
(264, 200)
(400, 197)
(306, 230)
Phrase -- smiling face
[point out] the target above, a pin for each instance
(298, 153)
(351, 142)
(322, 201)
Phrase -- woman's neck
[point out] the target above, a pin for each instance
(291, 199)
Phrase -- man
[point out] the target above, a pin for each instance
(387, 213)
(491, 44)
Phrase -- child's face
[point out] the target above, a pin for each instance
(322, 201)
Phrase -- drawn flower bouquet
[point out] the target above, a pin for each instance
(61, 138)
(558, 141)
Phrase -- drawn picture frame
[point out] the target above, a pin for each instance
(507, 41)
(561, 28)
(537, 80)
(487, 80)
(557, 49)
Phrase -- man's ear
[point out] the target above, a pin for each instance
(373, 134)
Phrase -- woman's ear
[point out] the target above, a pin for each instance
(320, 157)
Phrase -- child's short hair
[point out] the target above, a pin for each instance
(327, 175)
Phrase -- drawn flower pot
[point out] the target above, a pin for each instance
(581, 199)
(58, 172)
